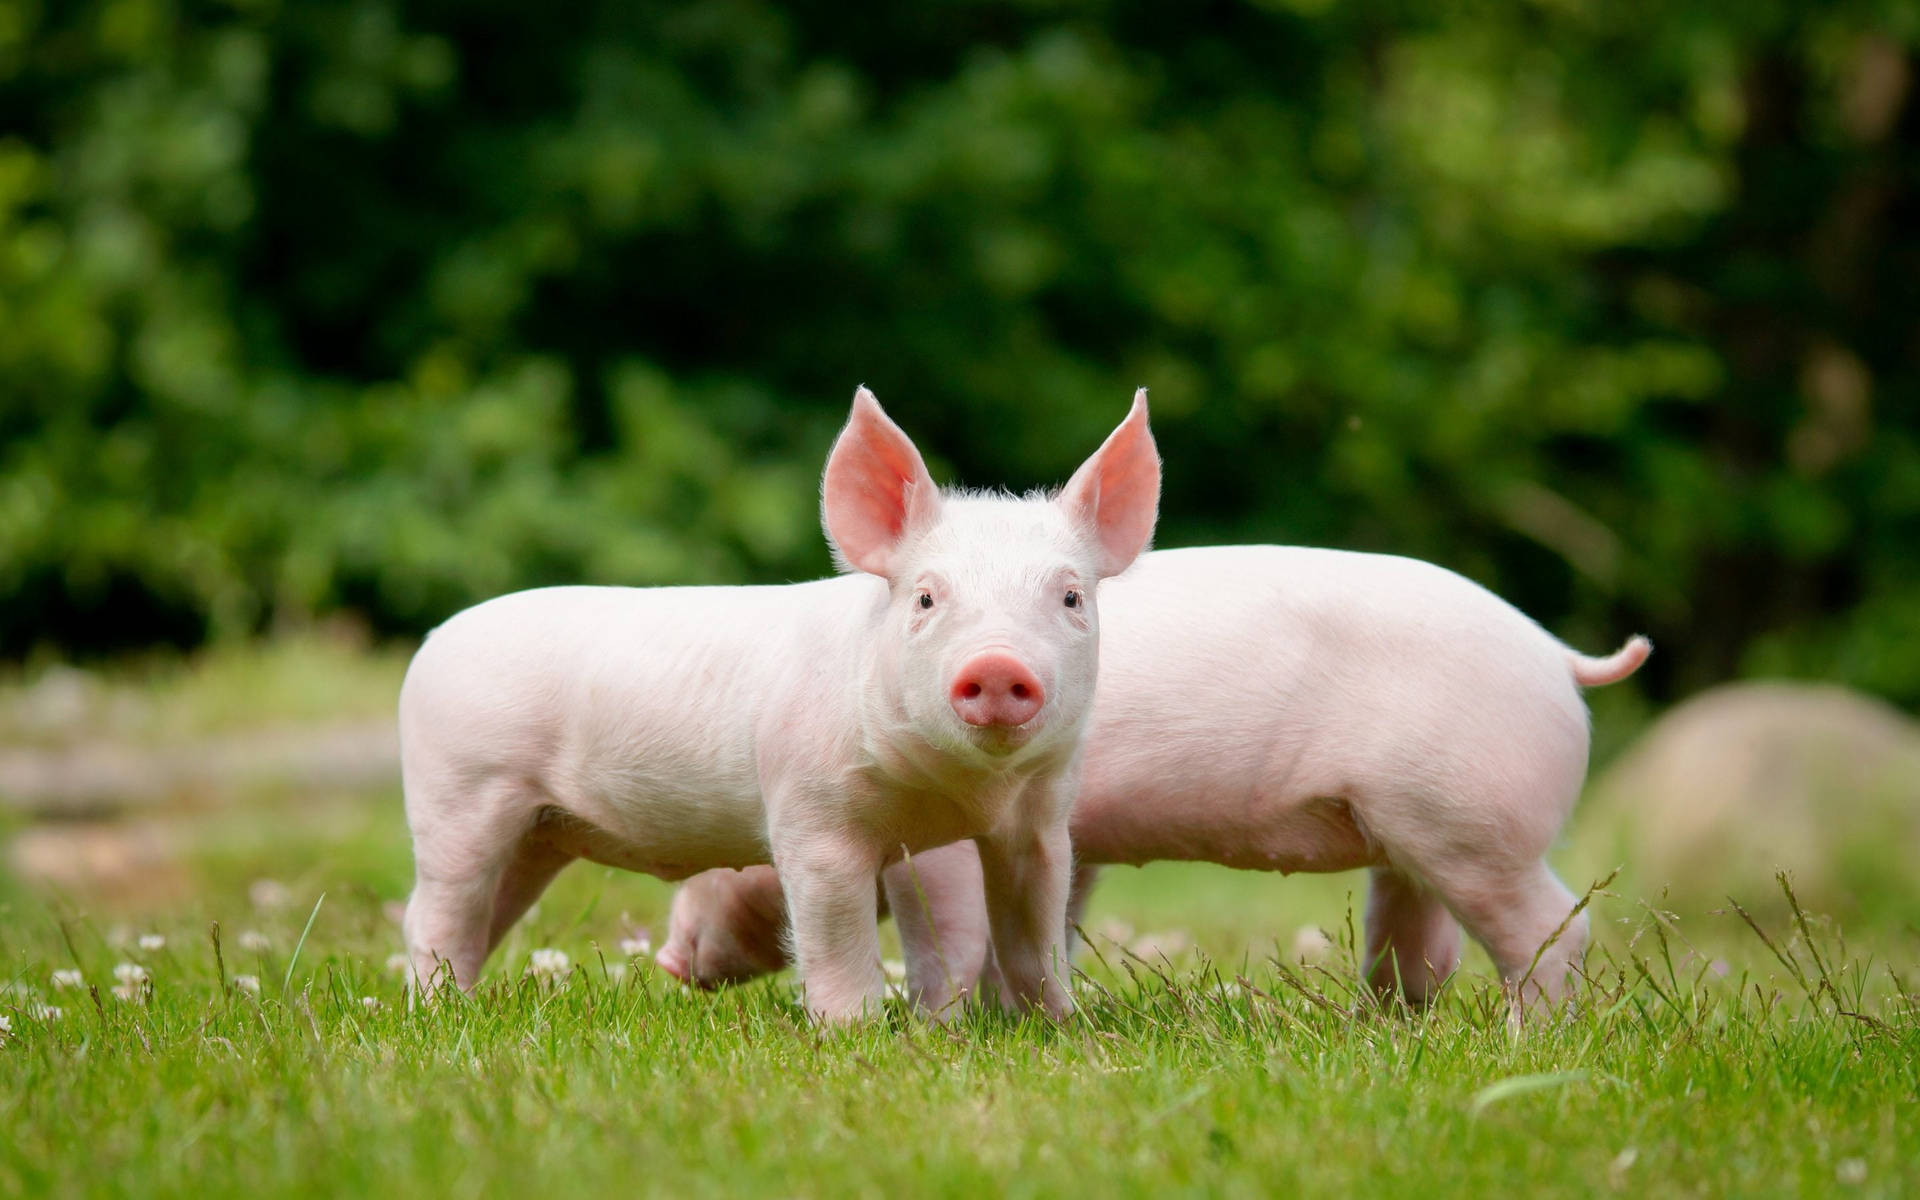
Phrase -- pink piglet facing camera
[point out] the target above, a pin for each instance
(937, 691)
(1280, 708)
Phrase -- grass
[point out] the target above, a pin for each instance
(1706, 1055)
(1248, 1079)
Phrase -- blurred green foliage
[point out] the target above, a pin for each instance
(390, 305)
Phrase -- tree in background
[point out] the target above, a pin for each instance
(386, 307)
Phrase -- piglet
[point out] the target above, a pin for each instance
(1287, 709)
(936, 691)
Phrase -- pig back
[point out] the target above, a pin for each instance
(635, 710)
(1252, 699)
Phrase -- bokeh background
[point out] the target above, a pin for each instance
(322, 319)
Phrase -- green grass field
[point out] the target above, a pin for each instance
(1705, 1056)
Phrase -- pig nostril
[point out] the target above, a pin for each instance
(970, 691)
(1019, 691)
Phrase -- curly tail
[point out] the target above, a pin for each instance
(1594, 672)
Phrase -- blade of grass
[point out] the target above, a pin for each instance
(287, 982)
(1520, 1085)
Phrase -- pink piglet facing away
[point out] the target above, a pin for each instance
(1290, 709)
(936, 691)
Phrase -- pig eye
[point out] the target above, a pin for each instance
(926, 599)
(1073, 599)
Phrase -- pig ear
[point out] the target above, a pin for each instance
(876, 491)
(1116, 493)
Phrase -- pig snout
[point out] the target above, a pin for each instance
(996, 689)
(674, 960)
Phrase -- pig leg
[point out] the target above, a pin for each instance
(1413, 942)
(1027, 878)
(936, 901)
(1084, 877)
(833, 907)
(527, 874)
(461, 854)
(1521, 915)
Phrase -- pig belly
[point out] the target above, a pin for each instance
(1252, 833)
(576, 837)
(669, 814)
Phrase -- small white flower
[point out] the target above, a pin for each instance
(1311, 944)
(1852, 1171)
(397, 963)
(6, 1027)
(151, 942)
(895, 970)
(69, 977)
(637, 946)
(616, 972)
(254, 942)
(134, 982)
(548, 963)
(371, 1003)
(47, 1012)
(1621, 1164)
(269, 894)
(249, 984)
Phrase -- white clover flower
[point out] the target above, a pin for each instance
(548, 963)
(249, 984)
(637, 946)
(371, 1003)
(269, 894)
(894, 969)
(1618, 1168)
(69, 977)
(152, 942)
(616, 972)
(397, 963)
(1851, 1171)
(134, 982)
(1311, 944)
(6, 1027)
(254, 942)
(47, 1012)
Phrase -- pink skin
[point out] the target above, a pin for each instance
(828, 727)
(1275, 708)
